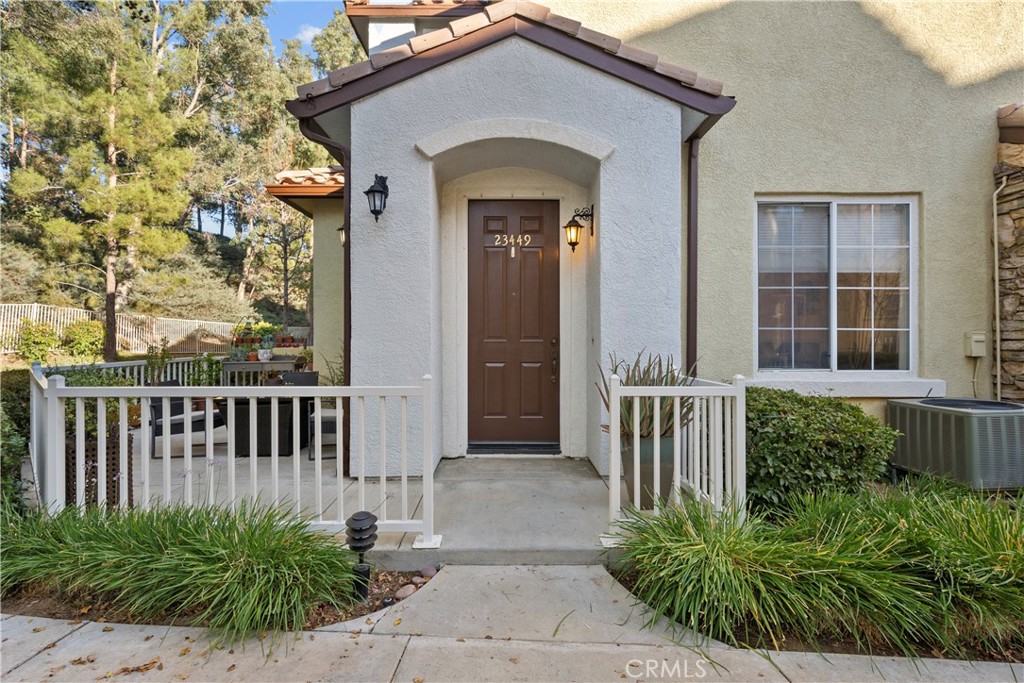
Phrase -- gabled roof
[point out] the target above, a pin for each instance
(497, 22)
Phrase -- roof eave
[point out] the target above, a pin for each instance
(713, 106)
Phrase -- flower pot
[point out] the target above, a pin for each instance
(265, 354)
(288, 339)
(646, 473)
(252, 355)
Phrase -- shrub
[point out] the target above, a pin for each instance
(799, 443)
(920, 568)
(95, 376)
(13, 451)
(84, 338)
(206, 371)
(240, 572)
(14, 396)
(36, 340)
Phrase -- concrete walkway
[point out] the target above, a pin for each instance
(551, 623)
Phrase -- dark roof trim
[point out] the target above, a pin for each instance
(289, 193)
(539, 34)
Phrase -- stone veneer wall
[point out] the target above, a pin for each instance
(1010, 211)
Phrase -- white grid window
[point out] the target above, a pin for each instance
(834, 285)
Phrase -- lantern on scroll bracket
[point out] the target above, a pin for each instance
(574, 229)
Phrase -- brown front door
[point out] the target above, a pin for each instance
(513, 325)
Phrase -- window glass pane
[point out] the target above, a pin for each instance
(853, 308)
(853, 267)
(810, 349)
(892, 225)
(810, 308)
(774, 308)
(853, 225)
(810, 226)
(892, 267)
(892, 350)
(891, 309)
(811, 261)
(774, 225)
(775, 267)
(774, 349)
(853, 350)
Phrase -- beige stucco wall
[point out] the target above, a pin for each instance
(329, 282)
(843, 98)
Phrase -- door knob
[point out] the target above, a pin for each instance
(554, 366)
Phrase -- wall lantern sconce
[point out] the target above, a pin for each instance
(573, 229)
(377, 195)
(341, 235)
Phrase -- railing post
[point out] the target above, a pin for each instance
(37, 426)
(614, 459)
(428, 539)
(739, 444)
(53, 474)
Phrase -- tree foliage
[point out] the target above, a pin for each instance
(127, 125)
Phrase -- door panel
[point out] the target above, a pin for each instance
(513, 321)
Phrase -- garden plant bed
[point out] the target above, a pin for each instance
(791, 642)
(928, 569)
(40, 601)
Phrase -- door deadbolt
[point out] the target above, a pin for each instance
(554, 341)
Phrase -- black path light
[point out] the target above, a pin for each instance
(361, 535)
(377, 195)
(574, 229)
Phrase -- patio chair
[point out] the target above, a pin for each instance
(175, 422)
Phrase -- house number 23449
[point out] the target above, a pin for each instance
(505, 240)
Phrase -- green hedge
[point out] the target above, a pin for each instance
(84, 338)
(798, 444)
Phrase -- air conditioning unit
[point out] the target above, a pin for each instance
(977, 442)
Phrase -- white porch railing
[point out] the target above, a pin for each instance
(129, 446)
(180, 369)
(708, 450)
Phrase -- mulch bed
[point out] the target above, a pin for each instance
(848, 646)
(37, 601)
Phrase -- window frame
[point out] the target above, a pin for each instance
(833, 373)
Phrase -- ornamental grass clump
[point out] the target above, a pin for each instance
(925, 568)
(256, 569)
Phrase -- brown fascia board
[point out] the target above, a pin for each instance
(288, 193)
(590, 55)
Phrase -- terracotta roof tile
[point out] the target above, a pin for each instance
(500, 10)
(570, 26)
(492, 13)
(635, 54)
(349, 73)
(679, 73)
(424, 42)
(473, 22)
(333, 176)
(602, 40)
(532, 10)
(396, 54)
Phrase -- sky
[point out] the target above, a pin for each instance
(301, 19)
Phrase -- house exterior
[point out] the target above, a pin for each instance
(797, 192)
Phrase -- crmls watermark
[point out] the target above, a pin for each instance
(665, 669)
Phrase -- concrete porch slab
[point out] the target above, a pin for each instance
(505, 511)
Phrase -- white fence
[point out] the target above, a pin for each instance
(134, 332)
(706, 443)
(136, 446)
(181, 369)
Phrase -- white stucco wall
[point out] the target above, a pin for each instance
(396, 264)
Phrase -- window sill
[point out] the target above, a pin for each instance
(874, 385)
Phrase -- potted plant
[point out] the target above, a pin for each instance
(266, 351)
(654, 371)
(251, 352)
(305, 357)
